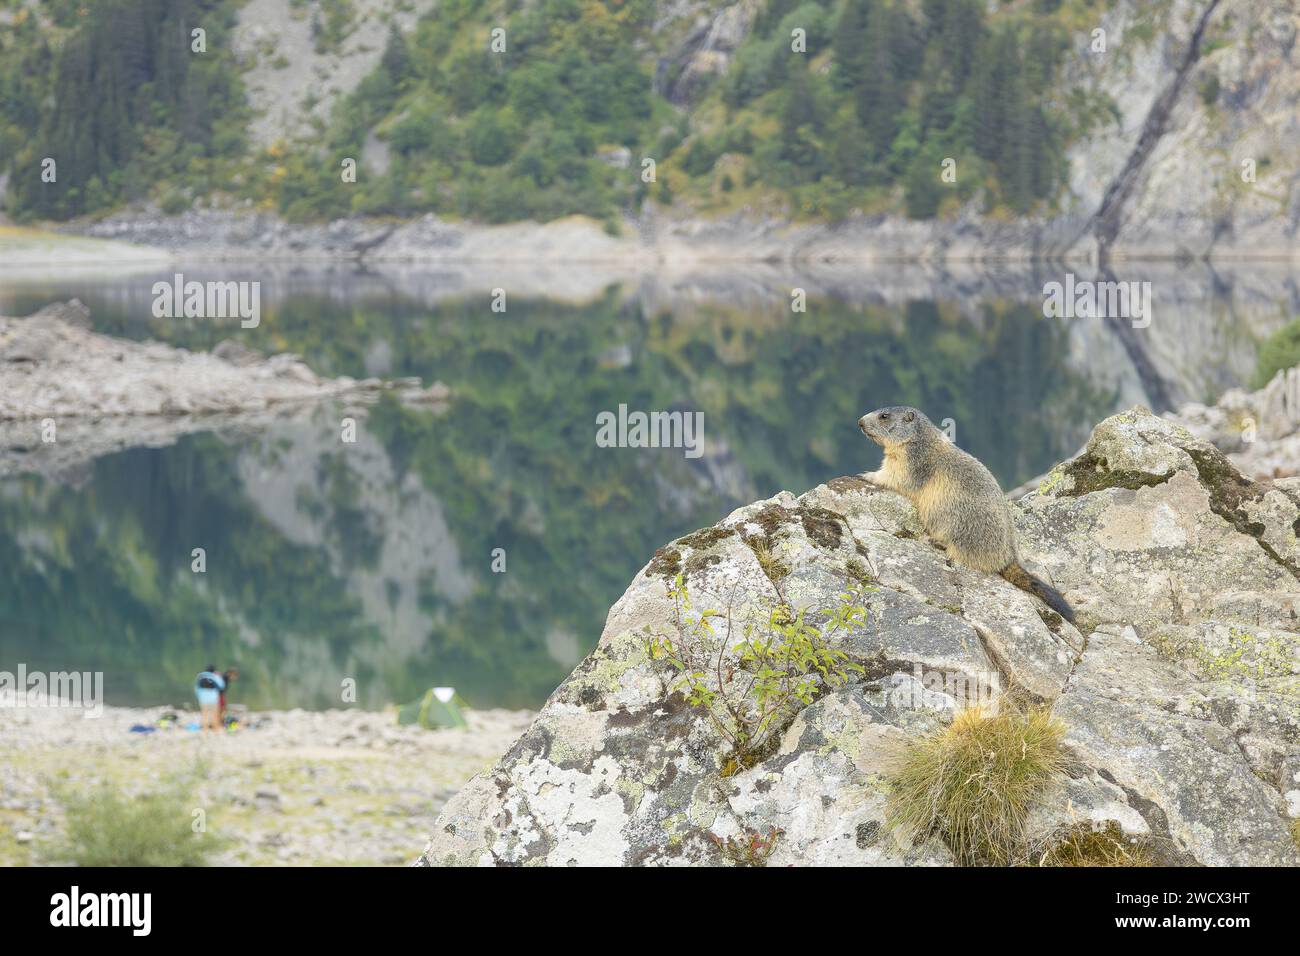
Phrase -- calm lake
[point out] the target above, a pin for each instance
(374, 560)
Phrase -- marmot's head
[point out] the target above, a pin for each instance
(896, 425)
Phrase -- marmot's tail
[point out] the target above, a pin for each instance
(1022, 579)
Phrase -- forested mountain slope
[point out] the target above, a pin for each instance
(1145, 122)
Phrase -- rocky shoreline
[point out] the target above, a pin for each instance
(53, 366)
(329, 788)
(644, 243)
(69, 394)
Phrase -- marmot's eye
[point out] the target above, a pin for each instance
(884, 416)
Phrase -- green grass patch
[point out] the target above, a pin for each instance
(976, 781)
(108, 827)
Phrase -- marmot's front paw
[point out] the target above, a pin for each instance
(873, 477)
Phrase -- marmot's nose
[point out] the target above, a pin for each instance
(862, 424)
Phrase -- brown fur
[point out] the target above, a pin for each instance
(1038, 588)
(958, 500)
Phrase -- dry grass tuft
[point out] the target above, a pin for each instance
(975, 781)
(1083, 846)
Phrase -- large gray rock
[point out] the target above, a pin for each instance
(1182, 703)
(1260, 431)
(69, 395)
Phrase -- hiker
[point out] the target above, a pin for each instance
(208, 688)
(228, 677)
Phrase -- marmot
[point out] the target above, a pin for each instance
(959, 501)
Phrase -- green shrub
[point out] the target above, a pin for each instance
(174, 202)
(105, 827)
(753, 687)
(1279, 351)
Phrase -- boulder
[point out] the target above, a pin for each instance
(1179, 690)
(1260, 431)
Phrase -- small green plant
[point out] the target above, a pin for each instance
(767, 560)
(1295, 833)
(976, 780)
(750, 848)
(1281, 350)
(105, 827)
(1209, 89)
(750, 688)
(857, 569)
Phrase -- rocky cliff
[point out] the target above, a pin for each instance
(1205, 96)
(1178, 694)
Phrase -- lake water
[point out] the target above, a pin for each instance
(373, 560)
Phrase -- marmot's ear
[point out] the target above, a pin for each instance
(909, 417)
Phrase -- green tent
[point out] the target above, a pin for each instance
(440, 708)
